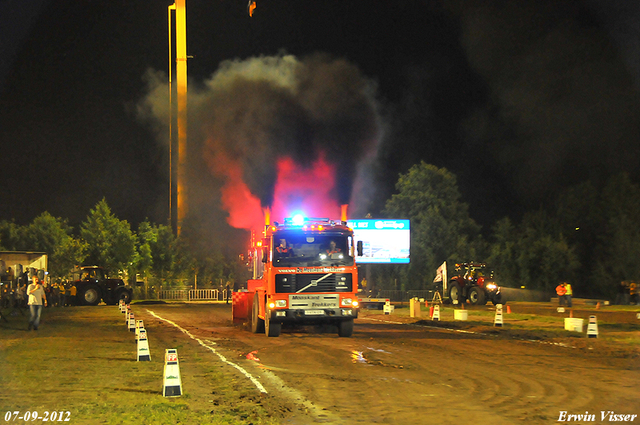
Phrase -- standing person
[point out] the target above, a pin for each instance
(72, 295)
(63, 294)
(561, 291)
(568, 294)
(228, 291)
(37, 298)
(633, 293)
(55, 295)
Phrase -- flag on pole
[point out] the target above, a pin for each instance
(441, 276)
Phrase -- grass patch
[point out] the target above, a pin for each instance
(83, 360)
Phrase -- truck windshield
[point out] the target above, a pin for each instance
(300, 249)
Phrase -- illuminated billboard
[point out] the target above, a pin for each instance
(383, 241)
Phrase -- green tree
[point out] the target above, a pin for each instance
(441, 228)
(535, 255)
(163, 251)
(11, 236)
(54, 236)
(503, 252)
(615, 256)
(110, 241)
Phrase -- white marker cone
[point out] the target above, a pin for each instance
(172, 384)
(592, 329)
(144, 355)
(498, 319)
(436, 313)
(139, 325)
(132, 322)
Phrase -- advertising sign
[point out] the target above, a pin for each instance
(383, 241)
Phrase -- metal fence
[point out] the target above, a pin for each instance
(193, 294)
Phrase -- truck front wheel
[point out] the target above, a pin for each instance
(345, 328)
(257, 324)
(271, 328)
(90, 295)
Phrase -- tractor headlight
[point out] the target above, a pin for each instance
(492, 286)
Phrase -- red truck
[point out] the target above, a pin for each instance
(304, 272)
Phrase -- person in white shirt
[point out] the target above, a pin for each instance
(37, 299)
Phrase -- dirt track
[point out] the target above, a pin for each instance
(408, 374)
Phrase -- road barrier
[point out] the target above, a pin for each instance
(414, 307)
(460, 314)
(194, 294)
(573, 324)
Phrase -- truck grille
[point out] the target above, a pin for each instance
(314, 282)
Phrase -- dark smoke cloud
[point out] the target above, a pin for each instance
(562, 106)
(257, 110)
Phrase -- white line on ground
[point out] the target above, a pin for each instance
(223, 358)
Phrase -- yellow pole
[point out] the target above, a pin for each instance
(181, 79)
(171, 178)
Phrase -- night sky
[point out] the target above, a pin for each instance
(518, 99)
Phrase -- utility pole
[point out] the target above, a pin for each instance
(178, 209)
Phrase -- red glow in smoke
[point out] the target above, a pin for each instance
(306, 190)
(244, 209)
(309, 190)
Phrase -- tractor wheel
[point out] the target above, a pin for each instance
(477, 296)
(455, 294)
(497, 299)
(271, 328)
(257, 324)
(90, 295)
(345, 328)
(123, 294)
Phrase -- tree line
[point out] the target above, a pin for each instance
(588, 235)
(150, 251)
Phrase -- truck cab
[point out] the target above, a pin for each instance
(304, 272)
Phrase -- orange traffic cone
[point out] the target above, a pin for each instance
(571, 314)
(598, 305)
(508, 309)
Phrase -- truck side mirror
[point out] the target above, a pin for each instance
(265, 254)
(360, 249)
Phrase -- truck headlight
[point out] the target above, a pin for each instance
(281, 303)
(347, 301)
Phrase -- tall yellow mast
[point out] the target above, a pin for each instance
(181, 208)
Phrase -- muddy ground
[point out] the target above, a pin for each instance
(401, 370)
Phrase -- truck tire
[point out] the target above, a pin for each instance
(477, 296)
(271, 328)
(345, 328)
(124, 294)
(257, 324)
(455, 293)
(89, 295)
